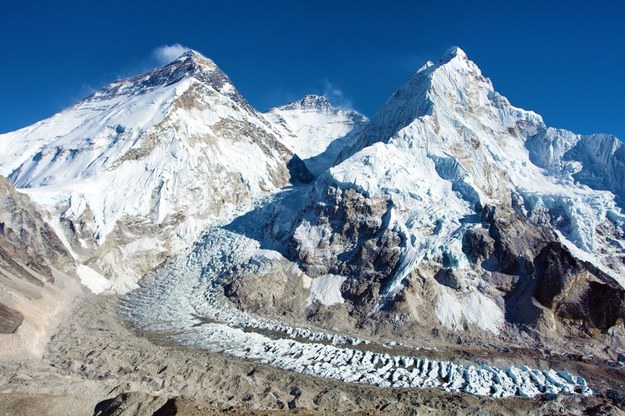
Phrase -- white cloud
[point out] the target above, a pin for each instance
(167, 53)
(335, 95)
(330, 90)
(87, 89)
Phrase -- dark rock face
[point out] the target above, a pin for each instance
(526, 263)
(26, 240)
(298, 170)
(477, 244)
(516, 241)
(369, 268)
(576, 290)
(449, 277)
(10, 319)
(356, 243)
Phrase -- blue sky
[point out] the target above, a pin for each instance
(562, 59)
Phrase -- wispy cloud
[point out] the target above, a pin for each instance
(167, 53)
(335, 95)
(87, 89)
(410, 63)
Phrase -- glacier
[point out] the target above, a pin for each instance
(185, 298)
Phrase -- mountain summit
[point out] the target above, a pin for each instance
(159, 154)
(452, 53)
(310, 102)
(451, 193)
(191, 64)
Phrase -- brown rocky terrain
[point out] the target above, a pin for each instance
(98, 365)
(542, 288)
(36, 287)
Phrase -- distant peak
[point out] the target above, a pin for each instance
(311, 102)
(452, 53)
(195, 57)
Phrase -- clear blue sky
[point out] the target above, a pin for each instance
(562, 59)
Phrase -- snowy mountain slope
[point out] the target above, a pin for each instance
(138, 169)
(315, 130)
(450, 193)
(473, 139)
(597, 161)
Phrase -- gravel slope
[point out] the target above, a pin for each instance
(95, 356)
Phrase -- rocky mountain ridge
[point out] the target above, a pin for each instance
(37, 275)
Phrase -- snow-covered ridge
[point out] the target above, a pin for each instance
(189, 64)
(315, 130)
(160, 154)
(447, 139)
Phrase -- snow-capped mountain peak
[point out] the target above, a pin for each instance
(443, 157)
(162, 150)
(195, 56)
(453, 53)
(453, 87)
(315, 130)
(189, 65)
(310, 102)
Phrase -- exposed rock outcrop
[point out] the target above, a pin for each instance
(37, 274)
(576, 291)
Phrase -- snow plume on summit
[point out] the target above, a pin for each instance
(166, 53)
(336, 95)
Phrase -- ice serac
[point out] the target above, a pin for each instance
(452, 194)
(135, 172)
(316, 130)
